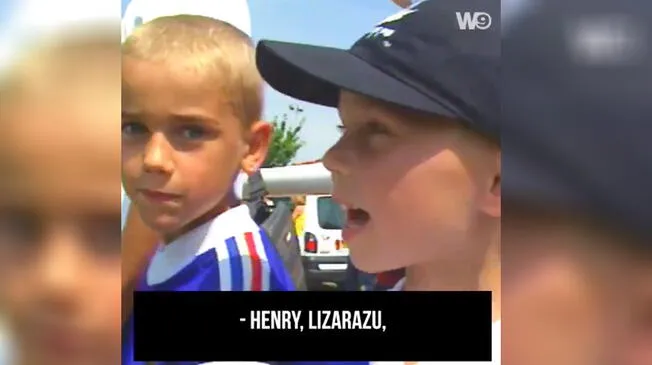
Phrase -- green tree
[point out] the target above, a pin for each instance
(286, 141)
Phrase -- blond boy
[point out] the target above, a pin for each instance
(417, 168)
(59, 205)
(191, 121)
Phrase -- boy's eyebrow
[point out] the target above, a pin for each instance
(190, 117)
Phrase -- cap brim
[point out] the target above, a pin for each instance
(317, 75)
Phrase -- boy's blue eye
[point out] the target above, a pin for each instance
(20, 229)
(100, 234)
(193, 132)
(132, 128)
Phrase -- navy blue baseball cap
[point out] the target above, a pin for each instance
(577, 115)
(438, 56)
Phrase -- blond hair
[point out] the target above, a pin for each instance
(65, 84)
(62, 72)
(214, 50)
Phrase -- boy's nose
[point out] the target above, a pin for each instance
(158, 155)
(60, 263)
(337, 159)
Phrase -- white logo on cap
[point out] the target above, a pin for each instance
(381, 31)
(398, 16)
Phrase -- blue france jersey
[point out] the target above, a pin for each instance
(230, 253)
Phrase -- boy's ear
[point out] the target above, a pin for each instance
(494, 200)
(256, 146)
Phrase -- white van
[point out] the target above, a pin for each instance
(325, 254)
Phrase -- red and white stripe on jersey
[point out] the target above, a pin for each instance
(243, 263)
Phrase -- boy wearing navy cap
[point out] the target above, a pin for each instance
(418, 165)
(420, 123)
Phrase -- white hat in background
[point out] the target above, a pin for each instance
(37, 21)
(44, 18)
(234, 12)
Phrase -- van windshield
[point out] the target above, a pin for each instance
(329, 213)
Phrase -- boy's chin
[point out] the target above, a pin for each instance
(364, 254)
(367, 264)
(163, 224)
(372, 254)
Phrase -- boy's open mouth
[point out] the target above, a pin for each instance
(356, 220)
(356, 217)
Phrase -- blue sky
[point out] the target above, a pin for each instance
(5, 10)
(336, 23)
